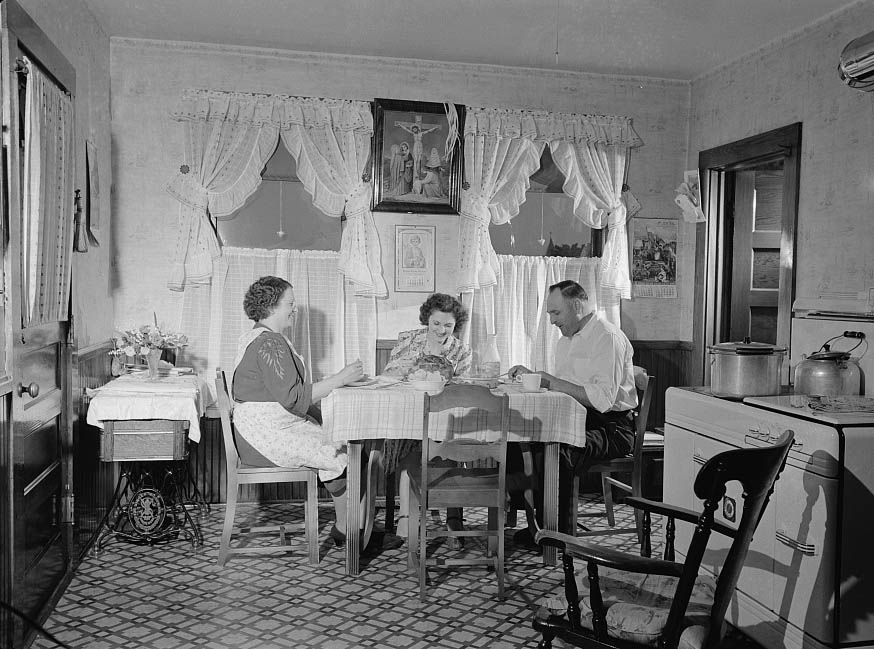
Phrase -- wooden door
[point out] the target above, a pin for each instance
(755, 252)
(39, 216)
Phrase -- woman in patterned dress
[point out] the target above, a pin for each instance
(434, 348)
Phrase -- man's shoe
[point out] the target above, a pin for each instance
(524, 538)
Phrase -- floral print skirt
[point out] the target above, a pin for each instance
(288, 440)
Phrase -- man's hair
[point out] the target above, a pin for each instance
(570, 290)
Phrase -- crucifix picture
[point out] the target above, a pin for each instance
(417, 156)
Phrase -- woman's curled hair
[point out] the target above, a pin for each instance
(263, 295)
(445, 304)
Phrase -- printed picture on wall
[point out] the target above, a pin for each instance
(417, 156)
(654, 258)
(414, 258)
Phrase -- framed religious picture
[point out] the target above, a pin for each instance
(415, 252)
(417, 156)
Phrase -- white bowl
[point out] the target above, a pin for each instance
(431, 387)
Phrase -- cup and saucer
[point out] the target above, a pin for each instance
(530, 382)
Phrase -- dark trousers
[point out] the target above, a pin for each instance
(608, 435)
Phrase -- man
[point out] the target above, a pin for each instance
(593, 365)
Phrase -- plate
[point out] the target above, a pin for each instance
(360, 383)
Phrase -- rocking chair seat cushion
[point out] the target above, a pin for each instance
(638, 606)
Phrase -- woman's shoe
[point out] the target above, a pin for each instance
(379, 541)
(455, 542)
(338, 537)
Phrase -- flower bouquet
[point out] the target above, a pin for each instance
(148, 341)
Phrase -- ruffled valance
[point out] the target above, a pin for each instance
(229, 138)
(541, 125)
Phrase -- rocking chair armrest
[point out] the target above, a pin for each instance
(679, 513)
(606, 557)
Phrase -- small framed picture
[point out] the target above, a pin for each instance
(415, 252)
(412, 170)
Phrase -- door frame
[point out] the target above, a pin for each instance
(713, 238)
(22, 36)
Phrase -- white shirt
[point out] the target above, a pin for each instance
(598, 358)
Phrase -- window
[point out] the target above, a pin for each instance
(545, 225)
(280, 214)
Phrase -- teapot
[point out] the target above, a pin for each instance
(830, 373)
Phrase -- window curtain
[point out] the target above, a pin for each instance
(592, 152)
(526, 336)
(500, 154)
(332, 328)
(331, 142)
(229, 138)
(47, 200)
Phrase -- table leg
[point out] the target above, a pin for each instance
(550, 498)
(353, 505)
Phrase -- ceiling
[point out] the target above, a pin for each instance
(673, 39)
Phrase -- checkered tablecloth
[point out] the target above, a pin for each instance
(132, 396)
(395, 412)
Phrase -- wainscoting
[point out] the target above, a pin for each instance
(668, 361)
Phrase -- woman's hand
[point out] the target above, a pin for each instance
(516, 370)
(352, 372)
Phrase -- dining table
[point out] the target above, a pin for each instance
(390, 409)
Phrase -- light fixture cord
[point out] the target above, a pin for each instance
(556, 31)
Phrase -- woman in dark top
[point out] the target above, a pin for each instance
(272, 396)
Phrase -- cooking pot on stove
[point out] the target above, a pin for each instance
(829, 373)
(745, 369)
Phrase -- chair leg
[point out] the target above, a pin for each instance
(608, 499)
(227, 529)
(575, 503)
(412, 529)
(390, 478)
(311, 519)
(499, 566)
(423, 549)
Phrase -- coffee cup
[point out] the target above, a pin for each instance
(530, 382)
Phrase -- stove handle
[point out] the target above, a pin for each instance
(804, 548)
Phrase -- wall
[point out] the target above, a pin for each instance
(148, 78)
(796, 80)
(76, 33)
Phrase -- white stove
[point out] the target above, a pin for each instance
(809, 576)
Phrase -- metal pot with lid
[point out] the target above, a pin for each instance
(745, 369)
(830, 373)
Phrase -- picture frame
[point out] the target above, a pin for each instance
(415, 258)
(410, 169)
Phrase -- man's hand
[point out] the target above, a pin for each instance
(516, 370)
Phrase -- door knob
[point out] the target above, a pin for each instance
(32, 390)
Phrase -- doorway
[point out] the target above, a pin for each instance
(744, 260)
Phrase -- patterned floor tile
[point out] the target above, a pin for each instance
(169, 597)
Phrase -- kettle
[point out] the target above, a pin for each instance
(830, 373)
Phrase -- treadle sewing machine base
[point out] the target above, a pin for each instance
(148, 507)
(155, 493)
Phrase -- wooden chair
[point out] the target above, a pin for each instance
(647, 448)
(242, 474)
(631, 601)
(441, 486)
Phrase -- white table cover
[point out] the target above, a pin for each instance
(133, 396)
(395, 412)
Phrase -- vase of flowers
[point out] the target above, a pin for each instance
(149, 341)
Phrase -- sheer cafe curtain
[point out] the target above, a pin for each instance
(524, 335)
(47, 200)
(332, 328)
